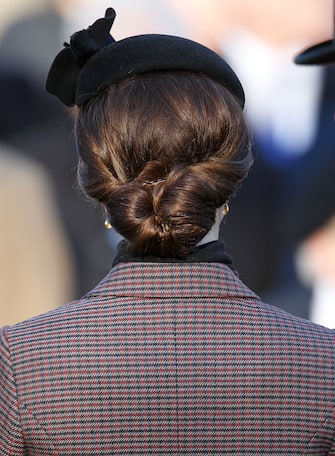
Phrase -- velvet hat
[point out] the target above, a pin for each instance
(93, 61)
(318, 54)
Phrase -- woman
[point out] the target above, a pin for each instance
(170, 353)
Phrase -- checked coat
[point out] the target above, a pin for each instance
(167, 359)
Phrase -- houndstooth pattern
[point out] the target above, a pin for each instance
(167, 359)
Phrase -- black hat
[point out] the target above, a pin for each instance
(94, 60)
(318, 54)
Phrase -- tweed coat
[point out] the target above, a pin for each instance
(167, 359)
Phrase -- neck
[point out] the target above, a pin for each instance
(213, 233)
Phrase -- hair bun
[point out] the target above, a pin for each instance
(163, 151)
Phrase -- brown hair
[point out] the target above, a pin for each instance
(161, 152)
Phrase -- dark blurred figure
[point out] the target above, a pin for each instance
(309, 225)
(38, 126)
(20, 104)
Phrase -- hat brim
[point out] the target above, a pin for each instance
(321, 53)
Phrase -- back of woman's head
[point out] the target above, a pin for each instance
(161, 152)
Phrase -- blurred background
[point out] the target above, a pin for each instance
(281, 227)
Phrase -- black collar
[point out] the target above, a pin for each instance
(213, 252)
